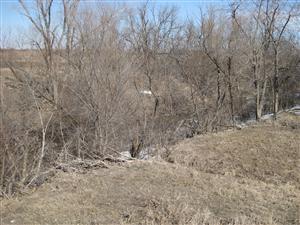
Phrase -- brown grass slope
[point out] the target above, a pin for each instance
(247, 177)
(267, 151)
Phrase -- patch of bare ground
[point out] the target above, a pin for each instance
(234, 177)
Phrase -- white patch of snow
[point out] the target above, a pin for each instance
(250, 121)
(295, 110)
(145, 154)
(240, 125)
(296, 107)
(125, 155)
(146, 92)
(267, 116)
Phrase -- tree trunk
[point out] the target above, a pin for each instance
(1, 106)
(55, 91)
(258, 101)
(275, 84)
(229, 83)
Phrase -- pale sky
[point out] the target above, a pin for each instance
(13, 24)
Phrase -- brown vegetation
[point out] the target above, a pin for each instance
(207, 184)
(104, 79)
(264, 152)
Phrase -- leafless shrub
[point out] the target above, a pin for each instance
(81, 93)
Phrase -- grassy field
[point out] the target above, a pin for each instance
(248, 176)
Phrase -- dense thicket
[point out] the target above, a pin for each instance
(107, 79)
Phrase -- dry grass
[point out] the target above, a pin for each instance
(153, 193)
(234, 177)
(268, 152)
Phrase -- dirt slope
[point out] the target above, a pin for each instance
(247, 176)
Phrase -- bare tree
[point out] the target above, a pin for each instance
(222, 58)
(101, 79)
(264, 30)
(276, 33)
(148, 34)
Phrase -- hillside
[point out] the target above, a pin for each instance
(266, 152)
(247, 176)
